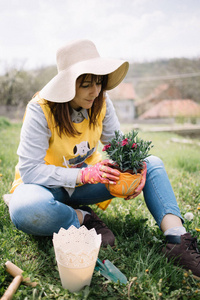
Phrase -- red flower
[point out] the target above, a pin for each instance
(124, 142)
(134, 146)
(106, 147)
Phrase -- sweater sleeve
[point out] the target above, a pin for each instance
(110, 122)
(34, 142)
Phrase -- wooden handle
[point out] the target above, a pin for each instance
(12, 288)
(13, 270)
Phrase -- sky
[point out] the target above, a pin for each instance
(31, 31)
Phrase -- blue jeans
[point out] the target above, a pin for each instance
(42, 211)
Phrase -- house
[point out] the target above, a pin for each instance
(176, 108)
(123, 100)
(162, 92)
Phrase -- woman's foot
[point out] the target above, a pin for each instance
(91, 220)
(183, 251)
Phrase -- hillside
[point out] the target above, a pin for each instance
(18, 86)
(181, 72)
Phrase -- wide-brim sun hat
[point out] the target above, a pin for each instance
(77, 58)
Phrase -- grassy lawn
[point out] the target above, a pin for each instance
(138, 240)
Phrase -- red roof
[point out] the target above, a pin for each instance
(173, 108)
(123, 91)
(163, 91)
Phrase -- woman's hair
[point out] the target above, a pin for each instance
(62, 111)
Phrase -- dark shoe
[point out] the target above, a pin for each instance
(93, 221)
(183, 251)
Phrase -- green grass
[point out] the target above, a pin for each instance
(138, 240)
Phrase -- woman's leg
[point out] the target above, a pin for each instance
(89, 194)
(159, 196)
(41, 211)
(181, 247)
(35, 210)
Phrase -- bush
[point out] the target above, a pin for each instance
(4, 122)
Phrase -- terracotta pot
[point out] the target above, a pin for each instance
(126, 184)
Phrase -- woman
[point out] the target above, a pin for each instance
(60, 169)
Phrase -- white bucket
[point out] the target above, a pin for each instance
(76, 251)
(74, 279)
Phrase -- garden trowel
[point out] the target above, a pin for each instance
(109, 271)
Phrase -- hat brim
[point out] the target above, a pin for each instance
(62, 87)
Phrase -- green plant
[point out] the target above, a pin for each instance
(128, 150)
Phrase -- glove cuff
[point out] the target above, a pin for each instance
(82, 181)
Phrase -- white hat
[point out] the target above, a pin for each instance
(77, 58)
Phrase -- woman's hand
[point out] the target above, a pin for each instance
(141, 185)
(101, 172)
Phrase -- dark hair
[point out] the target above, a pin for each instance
(62, 111)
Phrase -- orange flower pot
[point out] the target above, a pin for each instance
(126, 185)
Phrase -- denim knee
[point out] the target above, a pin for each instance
(154, 162)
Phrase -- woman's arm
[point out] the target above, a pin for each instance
(110, 122)
(34, 142)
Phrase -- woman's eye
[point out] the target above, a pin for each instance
(87, 85)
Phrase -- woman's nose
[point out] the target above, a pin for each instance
(95, 90)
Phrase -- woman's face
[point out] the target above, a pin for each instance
(86, 92)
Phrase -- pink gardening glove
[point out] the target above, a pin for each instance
(141, 185)
(101, 172)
